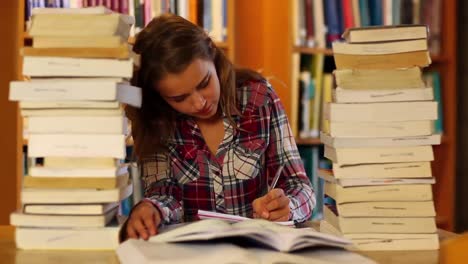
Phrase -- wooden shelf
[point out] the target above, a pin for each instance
(308, 141)
(308, 50)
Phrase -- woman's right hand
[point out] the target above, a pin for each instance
(143, 221)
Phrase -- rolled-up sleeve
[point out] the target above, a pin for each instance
(282, 149)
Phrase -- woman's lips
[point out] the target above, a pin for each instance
(205, 110)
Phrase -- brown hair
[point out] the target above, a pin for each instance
(168, 44)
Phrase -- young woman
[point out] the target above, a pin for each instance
(208, 136)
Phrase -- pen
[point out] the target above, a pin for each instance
(275, 179)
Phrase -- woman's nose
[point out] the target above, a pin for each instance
(199, 102)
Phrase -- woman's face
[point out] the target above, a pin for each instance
(194, 92)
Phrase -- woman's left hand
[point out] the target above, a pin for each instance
(273, 206)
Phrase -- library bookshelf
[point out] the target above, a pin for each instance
(12, 142)
(271, 49)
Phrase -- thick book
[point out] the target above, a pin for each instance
(341, 95)
(350, 156)
(76, 67)
(67, 182)
(77, 145)
(75, 221)
(69, 104)
(385, 61)
(328, 176)
(78, 42)
(121, 52)
(262, 232)
(75, 89)
(387, 209)
(91, 238)
(408, 192)
(73, 112)
(83, 163)
(77, 171)
(379, 129)
(356, 225)
(385, 242)
(385, 33)
(144, 252)
(78, 125)
(354, 142)
(69, 209)
(379, 79)
(384, 170)
(382, 48)
(393, 111)
(113, 24)
(74, 196)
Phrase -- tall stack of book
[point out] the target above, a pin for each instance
(74, 102)
(379, 136)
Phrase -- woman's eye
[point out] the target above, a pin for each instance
(205, 84)
(179, 99)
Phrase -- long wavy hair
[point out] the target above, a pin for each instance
(168, 45)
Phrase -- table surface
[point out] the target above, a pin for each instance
(9, 253)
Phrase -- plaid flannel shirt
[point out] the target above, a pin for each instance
(189, 177)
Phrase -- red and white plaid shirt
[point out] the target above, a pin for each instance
(189, 177)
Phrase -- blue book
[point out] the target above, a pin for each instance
(332, 20)
(396, 12)
(436, 84)
(364, 10)
(376, 12)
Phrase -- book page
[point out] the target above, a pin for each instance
(196, 230)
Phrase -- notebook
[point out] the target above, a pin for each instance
(257, 232)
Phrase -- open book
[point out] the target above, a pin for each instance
(202, 214)
(256, 232)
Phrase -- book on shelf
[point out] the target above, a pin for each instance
(408, 192)
(262, 232)
(77, 145)
(78, 125)
(328, 176)
(379, 129)
(75, 221)
(355, 142)
(393, 225)
(387, 209)
(78, 42)
(74, 196)
(385, 33)
(91, 238)
(350, 156)
(387, 111)
(341, 95)
(384, 170)
(379, 79)
(70, 182)
(53, 24)
(384, 241)
(76, 67)
(69, 209)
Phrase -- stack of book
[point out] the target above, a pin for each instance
(379, 136)
(74, 102)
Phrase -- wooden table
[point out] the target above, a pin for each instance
(9, 253)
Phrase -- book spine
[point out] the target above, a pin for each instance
(332, 21)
